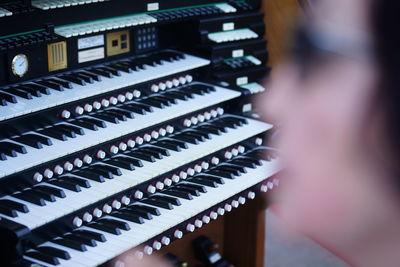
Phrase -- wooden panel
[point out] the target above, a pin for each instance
(245, 234)
(279, 16)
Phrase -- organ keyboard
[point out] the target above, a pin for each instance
(126, 124)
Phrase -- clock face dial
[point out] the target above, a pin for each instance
(20, 65)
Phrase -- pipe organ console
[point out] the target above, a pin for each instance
(127, 124)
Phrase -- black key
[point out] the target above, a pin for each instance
(152, 102)
(51, 85)
(102, 171)
(205, 182)
(8, 97)
(52, 190)
(186, 138)
(91, 175)
(212, 130)
(162, 100)
(228, 169)
(181, 144)
(19, 92)
(84, 77)
(44, 140)
(216, 126)
(3, 156)
(139, 212)
(14, 205)
(134, 108)
(64, 84)
(135, 162)
(169, 146)
(216, 179)
(42, 89)
(55, 252)
(71, 128)
(30, 197)
(121, 67)
(190, 190)
(147, 108)
(176, 95)
(151, 152)
(161, 150)
(54, 133)
(43, 257)
(7, 146)
(85, 124)
(229, 166)
(127, 114)
(112, 169)
(70, 244)
(244, 162)
(67, 131)
(183, 93)
(73, 79)
(115, 223)
(106, 117)
(197, 135)
(94, 235)
(45, 195)
(65, 184)
(101, 72)
(106, 228)
(200, 188)
(118, 115)
(75, 180)
(151, 210)
(250, 159)
(222, 173)
(84, 240)
(8, 211)
(31, 91)
(172, 200)
(200, 132)
(158, 203)
(171, 100)
(111, 70)
(178, 193)
(141, 156)
(3, 102)
(93, 76)
(120, 162)
(97, 122)
(128, 216)
(29, 140)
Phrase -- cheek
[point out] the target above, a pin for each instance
(314, 151)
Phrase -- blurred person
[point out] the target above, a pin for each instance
(336, 98)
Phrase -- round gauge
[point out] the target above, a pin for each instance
(20, 65)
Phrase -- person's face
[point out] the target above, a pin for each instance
(320, 119)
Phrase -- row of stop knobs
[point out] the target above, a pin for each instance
(100, 103)
(122, 146)
(174, 82)
(195, 224)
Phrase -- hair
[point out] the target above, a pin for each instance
(384, 21)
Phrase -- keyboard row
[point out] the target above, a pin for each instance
(128, 169)
(121, 230)
(23, 152)
(60, 89)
